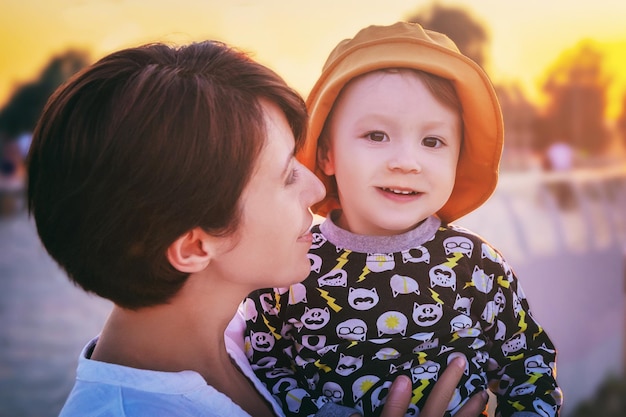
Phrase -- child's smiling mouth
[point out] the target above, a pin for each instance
(399, 191)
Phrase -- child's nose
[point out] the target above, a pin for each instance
(405, 157)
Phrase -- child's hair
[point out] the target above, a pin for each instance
(141, 147)
(442, 89)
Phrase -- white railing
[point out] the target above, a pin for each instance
(565, 236)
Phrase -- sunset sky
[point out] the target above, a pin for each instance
(295, 36)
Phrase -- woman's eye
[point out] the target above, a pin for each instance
(293, 176)
(431, 142)
(377, 136)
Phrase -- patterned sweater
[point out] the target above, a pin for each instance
(374, 307)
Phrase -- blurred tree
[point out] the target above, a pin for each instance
(21, 112)
(473, 40)
(520, 117)
(621, 122)
(608, 401)
(576, 87)
(459, 25)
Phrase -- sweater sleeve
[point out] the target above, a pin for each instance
(271, 350)
(522, 364)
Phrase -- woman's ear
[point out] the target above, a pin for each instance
(192, 251)
(325, 159)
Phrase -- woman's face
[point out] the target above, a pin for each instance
(271, 244)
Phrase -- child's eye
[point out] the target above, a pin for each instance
(377, 136)
(432, 142)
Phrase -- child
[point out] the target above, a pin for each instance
(406, 134)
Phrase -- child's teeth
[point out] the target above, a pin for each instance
(400, 192)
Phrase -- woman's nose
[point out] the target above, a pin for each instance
(316, 189)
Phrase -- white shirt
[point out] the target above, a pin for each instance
(108, 390)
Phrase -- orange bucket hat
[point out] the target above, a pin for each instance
(408, 45)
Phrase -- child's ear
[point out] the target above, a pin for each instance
(325, 159)
(192, 251)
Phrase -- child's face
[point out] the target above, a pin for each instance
(393, 149)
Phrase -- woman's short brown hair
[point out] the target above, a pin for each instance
(140, 147)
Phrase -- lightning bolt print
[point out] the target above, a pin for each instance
(469, 284)
(366, 271)
(418, 392)
(533, 378)
(322, 367)
(454, 260)
(329, 300)
(516, 405)
(271, 329)
(277, 297)
(435, 296)
(503, 282)
(522, 321)
(343, 259)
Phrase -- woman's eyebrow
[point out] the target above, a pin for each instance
(290, 157)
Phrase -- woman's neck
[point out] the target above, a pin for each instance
(162, 338)
(187, 333)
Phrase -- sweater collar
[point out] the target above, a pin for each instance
(416, 237)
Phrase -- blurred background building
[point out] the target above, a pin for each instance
(558, 216)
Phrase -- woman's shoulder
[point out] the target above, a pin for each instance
(105, 389)
(140, 395)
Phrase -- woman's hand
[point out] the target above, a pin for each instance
(401, 390)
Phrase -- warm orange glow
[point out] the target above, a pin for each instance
(616, 64)
(294, 38)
